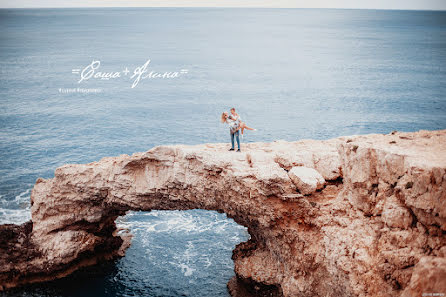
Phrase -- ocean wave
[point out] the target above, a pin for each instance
(14, 216)
(16, 210)
(24, 197)
(190, 222)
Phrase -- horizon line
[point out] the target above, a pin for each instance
(423, 5)
(241, 7)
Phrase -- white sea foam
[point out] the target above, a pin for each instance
(190, 251)
(175, 221)
(187, 260)
(14, 216)
(186, 270)
(208, 261)
(23, 198)
(17, 210)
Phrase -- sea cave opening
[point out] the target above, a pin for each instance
(172, 253)
(179, 253)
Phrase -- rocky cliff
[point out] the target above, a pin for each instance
(351, 216)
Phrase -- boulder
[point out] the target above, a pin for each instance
(307, 180)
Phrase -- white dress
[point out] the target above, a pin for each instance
(233, 122)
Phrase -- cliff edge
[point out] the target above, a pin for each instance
(352, 216)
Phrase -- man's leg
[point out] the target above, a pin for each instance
(232, 141)
(237, 137)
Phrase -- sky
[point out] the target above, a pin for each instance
(361, 4)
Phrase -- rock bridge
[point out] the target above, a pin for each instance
(351, 216)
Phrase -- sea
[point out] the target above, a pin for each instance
(77, 85)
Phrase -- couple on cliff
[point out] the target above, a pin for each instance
(235, 125)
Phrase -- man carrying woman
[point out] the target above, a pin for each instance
(235, 125)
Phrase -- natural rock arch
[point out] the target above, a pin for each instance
(380, 212)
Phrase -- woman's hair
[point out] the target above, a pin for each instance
(233, 109)
(223, 117)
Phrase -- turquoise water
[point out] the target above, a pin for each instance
(291, 73)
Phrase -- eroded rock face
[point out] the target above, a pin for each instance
(375, 227)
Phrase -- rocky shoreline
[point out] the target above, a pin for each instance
(360, 215)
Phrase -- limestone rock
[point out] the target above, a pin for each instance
(377, 228)
(307, 180)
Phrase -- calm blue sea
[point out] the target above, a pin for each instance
(291, 73)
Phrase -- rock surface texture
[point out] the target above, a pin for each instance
(374, 224)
